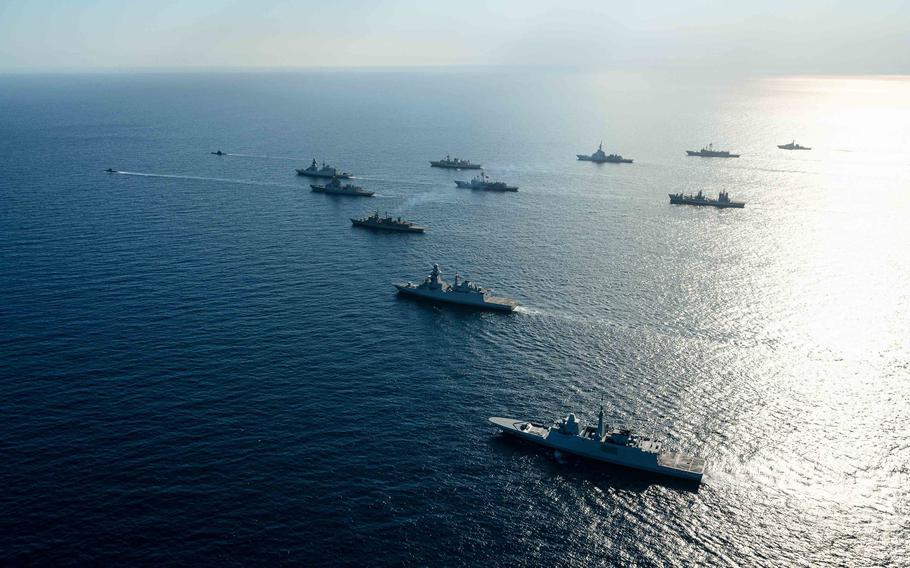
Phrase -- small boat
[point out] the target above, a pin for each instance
(219, 153)
(111, 171)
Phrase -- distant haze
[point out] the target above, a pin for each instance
(773, 36)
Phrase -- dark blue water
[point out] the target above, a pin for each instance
(201, 362)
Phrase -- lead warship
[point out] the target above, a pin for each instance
(792, 146)
(601, 157)
(454, 164)
(482, 181)
(604, 443)
(387, 223)
(722, 201)
(334, 187)
(324, 172)
(464, 293)
(709, 152)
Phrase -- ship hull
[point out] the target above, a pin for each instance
(583, 158)
(321, 189)
(730, 205)
(358, 223)
(455, 166)
(458, 299)
(710, 155)
(593, 450)
(502, 188)
(325, 176)
(785, 147)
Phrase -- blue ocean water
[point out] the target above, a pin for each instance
(201, 362)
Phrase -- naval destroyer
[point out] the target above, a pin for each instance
(463, 293)
(604, 443)
(454, 164)
(709, 152)
(334, 187)
(482, 181)
(324, 172)
(387, 223)
(792, 146)
(722, 201)
(602, 157)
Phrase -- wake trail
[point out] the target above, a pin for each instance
(264, 157)
(203, 178)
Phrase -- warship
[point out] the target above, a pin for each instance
(710, 152)
(323, 172)
(463, 293)
(602, 158)
(483, 182)
(334, 187)
(792, 146)
(722, 201)
(454, 163)
(387, 223)
(110, 171)
(219, 153)
(619, 446)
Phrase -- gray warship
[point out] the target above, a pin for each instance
(482, 181)
(387, 223)
(454, 164)
(334, 187)
(792, 146)
(709, 152)
(324, 172)
(619, 446)
(722, 201)
(602, 157)
(463, 293)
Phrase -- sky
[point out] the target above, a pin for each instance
(764, 36)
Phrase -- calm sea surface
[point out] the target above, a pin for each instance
(203, 363)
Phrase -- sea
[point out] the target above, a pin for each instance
(204, 363)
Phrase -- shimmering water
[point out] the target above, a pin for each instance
(201, 362)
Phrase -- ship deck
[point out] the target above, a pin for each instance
(503, 301)
(683, 462)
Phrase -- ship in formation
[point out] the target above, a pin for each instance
(709, 152)
(482, 181)
(387, 223)
(322, 172)
(792, 146)
(462, 292)
(454, 164)
(605, 443)
(334, 187)
(722, 201)
(602, 157)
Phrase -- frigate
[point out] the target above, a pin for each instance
(462, 292)
(722, 201)
(605, 443)
(602, 157)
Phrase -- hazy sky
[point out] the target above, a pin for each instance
(767, 36)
